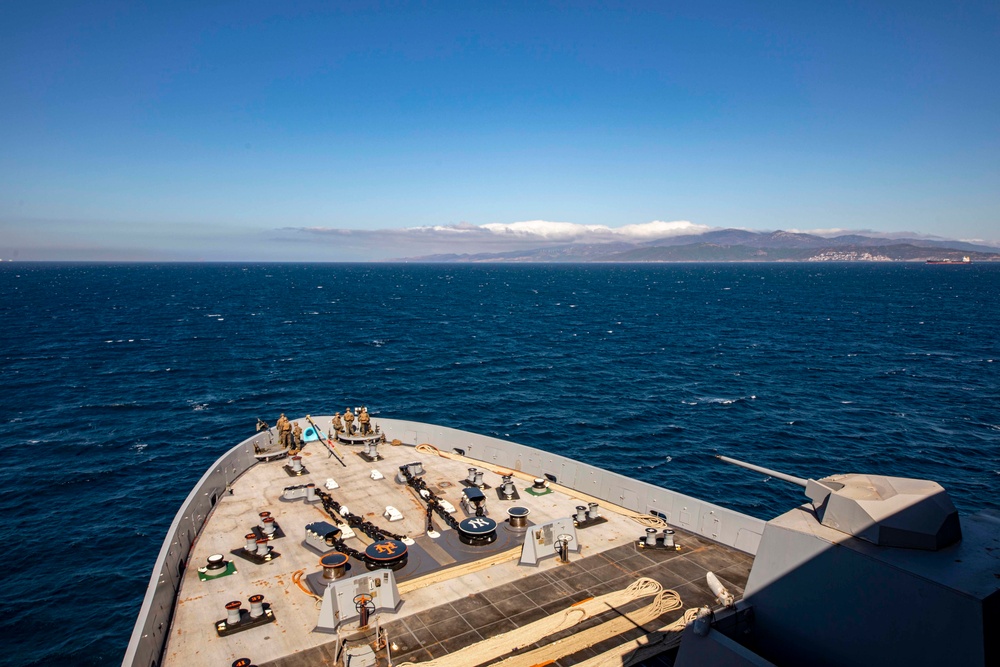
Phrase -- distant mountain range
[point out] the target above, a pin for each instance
(737, 245)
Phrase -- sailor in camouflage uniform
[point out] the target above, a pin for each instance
(284, 431)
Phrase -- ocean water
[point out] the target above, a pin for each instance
(122, 383)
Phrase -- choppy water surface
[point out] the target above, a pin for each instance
(122, 383)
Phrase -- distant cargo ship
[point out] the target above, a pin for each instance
(964, 260)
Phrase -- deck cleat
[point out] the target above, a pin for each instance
(239, 619)
(294, 467)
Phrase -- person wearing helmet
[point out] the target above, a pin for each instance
(284, 431)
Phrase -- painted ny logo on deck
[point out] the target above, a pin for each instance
(386, 548)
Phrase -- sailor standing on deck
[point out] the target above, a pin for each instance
(349, 421)
(284, 431)
(297, 439)
(364, 421)
(338, 426)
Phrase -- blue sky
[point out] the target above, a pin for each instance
(283, 131)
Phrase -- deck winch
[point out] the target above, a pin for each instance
(474, 501)
(334, 565)
(392, 551)
(391, 554)
(517, 517)
(477, 531)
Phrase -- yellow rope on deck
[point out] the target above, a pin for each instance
(457, 571)
(494, 647)
(642, 519)
(664, 602)
(643, 648)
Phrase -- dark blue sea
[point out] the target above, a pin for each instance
(122, 383)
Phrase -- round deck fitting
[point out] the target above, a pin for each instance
(256, 605)
(216, 562)
(477, 530)
(387, 553)
(334, 565)
(517, 517)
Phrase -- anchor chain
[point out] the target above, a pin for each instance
(432, 499)
(335, 510)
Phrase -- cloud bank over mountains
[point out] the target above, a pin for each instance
(544, 240)
(571, 232)
(493, 237)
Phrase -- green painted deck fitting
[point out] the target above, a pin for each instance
(230, 569)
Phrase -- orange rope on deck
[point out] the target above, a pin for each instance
(297, 580)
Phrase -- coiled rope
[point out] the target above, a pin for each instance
(642, 519)
(494, 647)
(645, 647)
(664, 602)
(297, 580)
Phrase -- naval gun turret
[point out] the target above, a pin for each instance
(888, 511)
(874, 570)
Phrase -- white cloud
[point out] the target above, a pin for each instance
(465, 238)
(543, 230)
(658, 229)
(494, 237)
(528, 231)
(828, 233)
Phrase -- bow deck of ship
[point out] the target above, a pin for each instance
(449, 599)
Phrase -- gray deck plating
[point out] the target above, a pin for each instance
(719, 524)
(448, 627)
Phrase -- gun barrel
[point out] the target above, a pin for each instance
(767, 471)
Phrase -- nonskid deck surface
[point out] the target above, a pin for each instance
(450, 626)
(463, 607)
